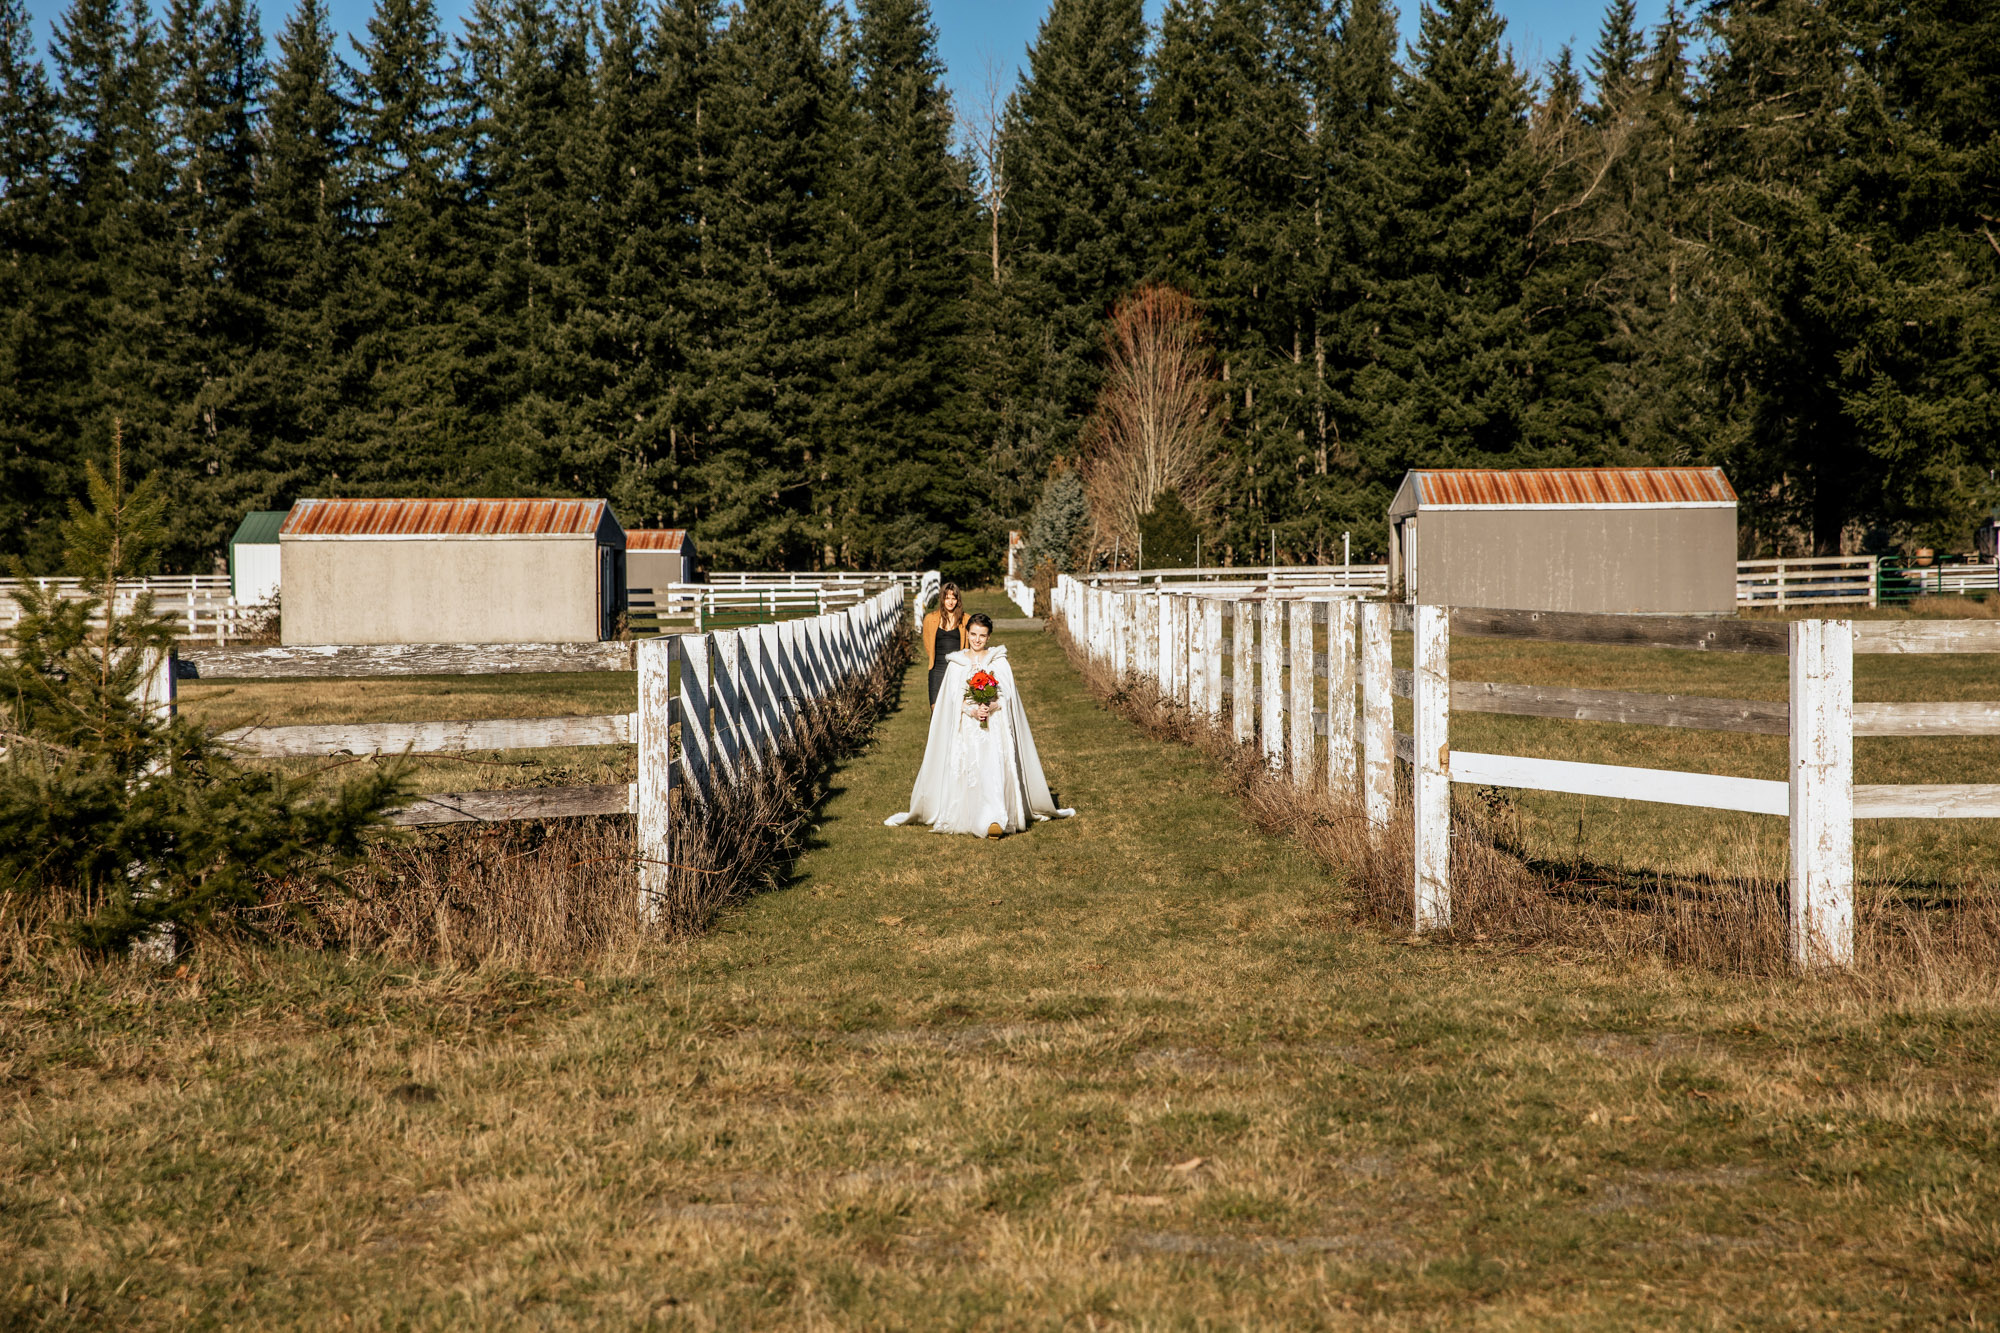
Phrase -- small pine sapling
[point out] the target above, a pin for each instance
(117, 818)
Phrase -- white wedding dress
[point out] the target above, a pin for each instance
(975, 777)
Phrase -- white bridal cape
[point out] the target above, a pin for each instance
(974, 777)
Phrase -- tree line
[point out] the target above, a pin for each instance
(745, 269)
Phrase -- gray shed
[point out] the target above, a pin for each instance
(655, 557)
(452, 571)
(1582, 539)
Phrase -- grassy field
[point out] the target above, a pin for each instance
(1138, 1070)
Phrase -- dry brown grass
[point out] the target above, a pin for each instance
(1726, 914)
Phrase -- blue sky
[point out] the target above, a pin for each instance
(975, 36)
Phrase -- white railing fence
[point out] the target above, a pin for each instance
(201, 605)
(928, 590)
(1021, 595)
(1176, 640)
(1355, 580)
(1807, 581)
(731, 697)
(907, 579)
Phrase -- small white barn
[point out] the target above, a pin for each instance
(255, 571)
(452, 571)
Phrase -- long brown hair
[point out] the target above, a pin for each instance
(954, 618)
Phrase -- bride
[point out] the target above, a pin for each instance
(981, 774)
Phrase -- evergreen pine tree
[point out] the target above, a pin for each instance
(417, 415)
(653, 141)
(213, 369)
(36, 364)
(115, 818)
(903, 495)
(1168, 536)
(1056, 527)
(306, 200)
(767, 289)
(1074, 229)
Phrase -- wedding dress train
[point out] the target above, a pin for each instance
(974, 777)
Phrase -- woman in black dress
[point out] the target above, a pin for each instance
(944, 634)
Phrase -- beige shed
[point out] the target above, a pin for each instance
(1576, 539)
(451, 571)
(656, 557)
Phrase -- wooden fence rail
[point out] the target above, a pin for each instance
(1176, 638)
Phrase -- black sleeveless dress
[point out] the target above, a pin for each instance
(948, 642)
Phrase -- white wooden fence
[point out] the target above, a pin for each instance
(1176, 640)
(734, 696)
(684, 605)
(1353, 580)
(1807, 581)
(201, 605)
(907, 579)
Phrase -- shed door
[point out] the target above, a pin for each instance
(607, 592)
(1408, 528)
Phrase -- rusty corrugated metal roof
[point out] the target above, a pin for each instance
(444, 518)
(1572, 486)
(655, 539)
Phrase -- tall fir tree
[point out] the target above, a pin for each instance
(37, 356)
(311, 251)
(770, 335)
(904, 495)
(416, 418)
(1074, 151)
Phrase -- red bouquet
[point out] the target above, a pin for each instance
(984, 689)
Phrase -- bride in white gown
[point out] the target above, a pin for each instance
(986, 781)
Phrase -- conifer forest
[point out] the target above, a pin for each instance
(746, 268)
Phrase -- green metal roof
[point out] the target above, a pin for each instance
(259, 528)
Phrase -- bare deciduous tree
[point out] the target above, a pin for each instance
(1155, 428)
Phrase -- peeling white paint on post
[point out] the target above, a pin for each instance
(1197, 678)
(1378, 717)
(1121, 636)
(1431, 704)
(1211, 657)
(1173, 650)
(156, 690)
(1271, 684)
(652, 835)
(1243, 665)
(697, 743)
(1149, 636)
(1301, 719)
(1822, 797)
(1340, 711)
(1186, 622)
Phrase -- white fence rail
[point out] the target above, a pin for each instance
(1808, 581)
(694, 605)
(1176, 640)
(1354, 580)
(910, 580)
(733, 696)
(201, 605)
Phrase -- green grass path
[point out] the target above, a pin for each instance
(1133, 1070)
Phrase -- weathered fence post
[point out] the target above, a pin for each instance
(1121, 636)
(1170, 646)
(697, 744)
(771, 652)
(650, 807)
(1149, 637)
(1243, 688)
(1340, 719)
(1431, 706)
(156, 690)
(1302, 692)
(1822, 793)
(1378, 716)
(1211, 658)
(1197, 678)
(1271, 684)
(727, 700)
